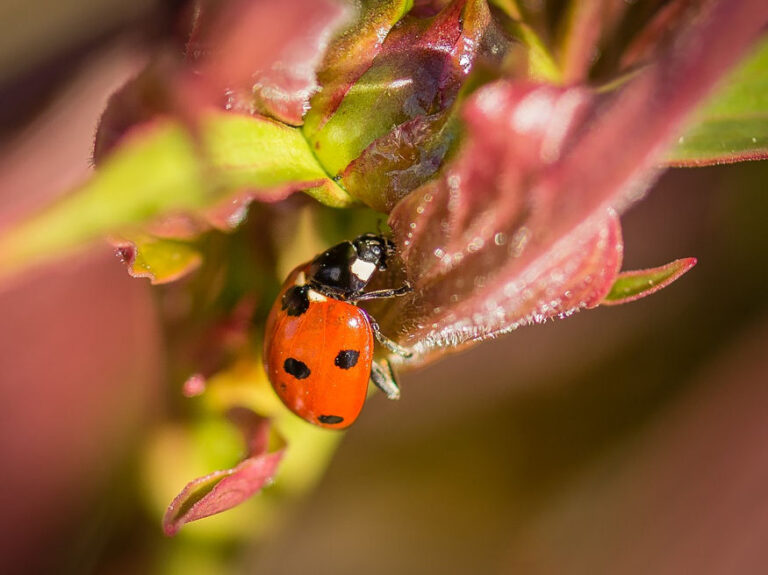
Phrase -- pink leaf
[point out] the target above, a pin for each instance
(519, 228)
(264, 54)
(476, 242)
(254, 56)
(222, 490)
(637, 284)
(589, 23)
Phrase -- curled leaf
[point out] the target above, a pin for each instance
(255, 57)
(160, 260)
(222, 490)
(634, 285)
(281, 79)
(395, 124)
(349, 56)
(477, 242)
(520, 226)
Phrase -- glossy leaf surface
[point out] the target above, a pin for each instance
(279, 86)
(350, 55)
(394, 125)
(524, 211)
(477, 243)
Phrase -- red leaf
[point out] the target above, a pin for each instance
(222, 490)
(264, 54)
(476, 243)
(433, 58)
(518, 228)
(254, 56)
(589, 23)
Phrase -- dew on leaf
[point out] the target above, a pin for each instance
(476, 244)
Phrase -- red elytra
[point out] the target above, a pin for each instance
(318, 345)
(319, 362)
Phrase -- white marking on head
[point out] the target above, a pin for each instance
(316, 296)
(363, 270)
(301, 279)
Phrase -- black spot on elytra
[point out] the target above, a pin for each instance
(296, 300)
(296, 368)
(330, 418)
(346, 358)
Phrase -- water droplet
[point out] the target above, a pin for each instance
(500, 239)
(439, 253)
(681, 139)
(454, 298)
(420, 210)
(754, 140)
(476, 244)
(413, 225)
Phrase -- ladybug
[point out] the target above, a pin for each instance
(318, 346)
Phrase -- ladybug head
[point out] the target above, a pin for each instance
(374, 249)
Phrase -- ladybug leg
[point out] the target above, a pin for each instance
(385, 341)
(385, 293)
(384, 379)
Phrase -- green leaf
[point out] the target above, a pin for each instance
(733, 124)
(159, 259)
(256, 153)
(631, 286)
(349, 56)
(160, 169)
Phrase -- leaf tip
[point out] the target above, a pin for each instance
(634, 285)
